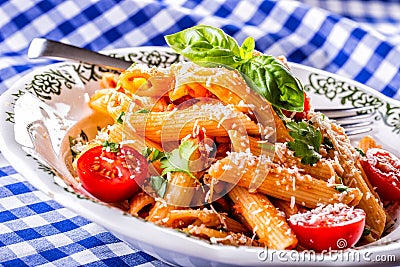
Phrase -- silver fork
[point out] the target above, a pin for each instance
(355, 120)
(45, 48)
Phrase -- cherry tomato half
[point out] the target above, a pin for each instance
(331, 227)
(383, 171)
(112, 176)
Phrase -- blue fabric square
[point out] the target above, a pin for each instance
(53, 254)
(6, 215)
(14, 263)
(28, 234)
(18, 188)
(64, 226)
(363, 75)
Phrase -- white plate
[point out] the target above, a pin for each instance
(64, 86)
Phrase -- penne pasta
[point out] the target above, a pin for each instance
(282, 183)
(139, 202)
(352, 176)
(323, 169)
(367, 142)
(265, 220)
(215, 119)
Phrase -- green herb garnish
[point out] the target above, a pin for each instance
(307, 141)
(367, 231)
(152, 154)
(119, 118)
(210, 46)
(328, 143)
(142, 111)
(360, 151)
(159, 184)
(110, 146)
(178, 159)
(342, 188)
(81, 138)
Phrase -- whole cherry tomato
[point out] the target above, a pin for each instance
(332, 227)
(112, 176)
(383, 171)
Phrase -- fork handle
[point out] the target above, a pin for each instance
(41, 47)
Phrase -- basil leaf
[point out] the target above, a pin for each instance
(247, 48)
(205, 44)
(271, 79)
(209, 46)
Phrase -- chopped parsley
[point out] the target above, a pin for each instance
(366, 231)
(178, 159)
(360, 151)
(142, 111)
(307, 141)
(152, 154)
(159, 184)
(342, 188)
(328, 144)
(110, 146)
(120, 119)
(175, 161)
(82, 138)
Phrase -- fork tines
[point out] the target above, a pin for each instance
(355, 120)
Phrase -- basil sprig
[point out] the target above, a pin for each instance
(210, 46)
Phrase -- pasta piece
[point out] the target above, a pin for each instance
(265, 220)
(224, 94)
(179, 189)
(215, 119)
(204, 231)
(282, 133)
(182, 218)
(119, 132)
(108, 80)
(177, 192)
(159, 213)
(220, 237)
(282, 183)
(133, 78)
(178, 92)
(117, 103)
(144, 81)
(323, 169)
(99, 100)
(138, 202)
(197, 90)
(352, 176)
(367, 142)
(286, 207)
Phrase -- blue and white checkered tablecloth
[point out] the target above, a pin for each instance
(353, 38)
